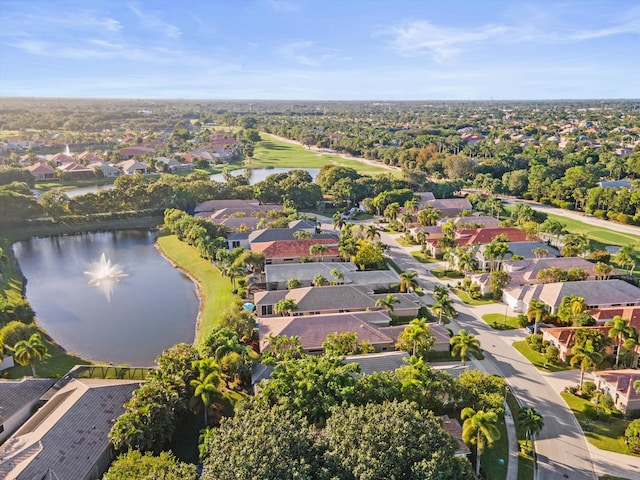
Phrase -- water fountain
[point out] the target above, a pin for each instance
(105, 275)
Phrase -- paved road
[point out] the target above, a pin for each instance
(616, 227)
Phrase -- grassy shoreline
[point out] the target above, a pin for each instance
(214, 290)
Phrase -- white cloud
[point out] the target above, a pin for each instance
(153, 21)
(297, 52)
(421, 37)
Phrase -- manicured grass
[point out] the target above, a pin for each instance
(57, 365)
(536, 359)
(422, 258)
(606, 433)
(525, 461)
(466, 298)
(446, 274)
(401, 241)
(271, 152)
(62, 184)
(215, 289)
(490, 461)
(609, 477)
(497, 321)
(11, 280)
(599, 236)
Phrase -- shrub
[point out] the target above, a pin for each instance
(588, 389)
(15, 331)
(552, 355)
(523, 320)
(632, 436)
(535, 342)
(599, 256)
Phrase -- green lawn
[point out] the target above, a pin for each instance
(214, 288)
(466, 298)
(606, 433)
(497, 321)
(446, 274)
(271, 152)
(599, 236)
(494, 461)
(11, 280)
(57, 365)
(422, 258)
(525, 460)
(536, 359)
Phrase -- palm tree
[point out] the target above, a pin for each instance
(443, 308)
(408, 281)
(285, 306)
(293, 283)
(494, 205)
(337, 274)
(320, 281)
(30, 351)
(587, 357)
(391, 211)
(625, 256)
(421, 236)
(479, 429)
(371, 232)
(463, 344)
(531, 422)
(387, 302)
(603, 270)
(575, 244)
(624, 334)
(536, 312)
(466, 261)
(554, 227)
(301, 235)
(418, 336)
(411, 205)
(207, 385)
(318, 249)
(428, 217)
(540, 252)
(406, 218)
(338, 221)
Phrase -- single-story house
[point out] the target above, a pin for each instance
(450, 207)
(275, 234)
(174, 166)
(61, 158)
(313, 330)
(479, 236)
(603, 315)
(483, 221)
(107, 169)
(379, 362)
(525, 272)
(297, 251)
(130, 152)
(521, 248)
(596, 293)
(44, 448)
(77, 170)
(333, 299)
(440, 332)
(618, 384)
(42, 171)
(89, 157)
(19, 398)
(131, 167)
(564, 338)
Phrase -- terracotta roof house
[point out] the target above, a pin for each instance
(68, 437)
(479, 236)
(602, 315)
(42, 171)
(451, 207)
(89, 157)
(131, 167)
(618, 384)
(333, 299)
(293, 251)
(565, 338)
(442, 343)
(596, 293)
(76, 170)
(313, 330)
(19, 397)
(485, 221)
(60, 158)
(130, 152)
(520, 248)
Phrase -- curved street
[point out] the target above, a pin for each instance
(562, 449)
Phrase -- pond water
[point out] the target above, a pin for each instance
(129, 319)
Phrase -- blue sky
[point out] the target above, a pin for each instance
(321, 49)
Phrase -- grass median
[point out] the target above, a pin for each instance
(214, 289)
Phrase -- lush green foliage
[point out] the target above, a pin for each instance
(134, 465)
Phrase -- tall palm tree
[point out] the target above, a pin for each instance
(428, 216)
(536, 312)
(371, 232)
(443, 308)
(421, 236)
(387, 302)
(391, 211)
(463, 344)
(318, 249)
(587, 357)
(408, 281)
(208, 384)
(625, 256)
(540, 252)
(338, 221)
(411, 205)
(406, 218)
(479, 429)
(624, 334)
(418, 336)
(494, 205)
(531, 422)
(30, 351)
(337, 274)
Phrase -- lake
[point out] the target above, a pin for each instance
(129, 320)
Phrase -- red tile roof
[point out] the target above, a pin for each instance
(484, 236)
(295, 248)
(628, 313)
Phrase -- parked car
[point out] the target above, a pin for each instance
(530, 328)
